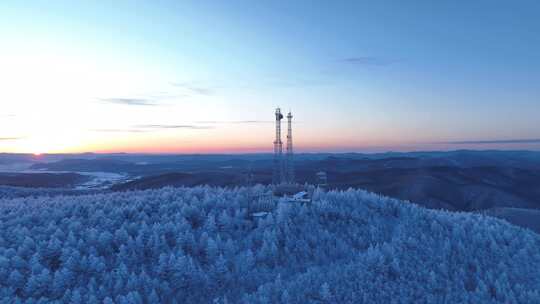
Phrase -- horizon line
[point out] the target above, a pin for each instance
(270, 153)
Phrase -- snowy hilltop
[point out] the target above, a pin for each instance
(200, 245)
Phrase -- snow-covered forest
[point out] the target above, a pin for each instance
(200, 245)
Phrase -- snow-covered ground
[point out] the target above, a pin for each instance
(101, 180)
(201, 245)
(98, 180)
(15, 167)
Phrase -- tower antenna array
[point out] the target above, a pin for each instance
(278, 177)
(290, 155)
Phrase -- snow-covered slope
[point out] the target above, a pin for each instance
(199, 245)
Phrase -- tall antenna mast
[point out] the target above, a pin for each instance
(290, 154)
(278, 175)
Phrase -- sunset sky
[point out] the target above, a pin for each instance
(206, 76)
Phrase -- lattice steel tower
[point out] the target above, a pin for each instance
(278, 175)
(290, 155)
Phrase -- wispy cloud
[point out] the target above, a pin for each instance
(234, 121)
(130, 101)
(119, 130)
(251, 121)
(151, 128)
(10, 138)
(369, 61)
(492, 142)
(195, 89)
(195, 127)
(160, 98)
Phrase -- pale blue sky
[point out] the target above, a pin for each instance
(186, 76)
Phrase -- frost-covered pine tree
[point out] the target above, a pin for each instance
(194, 245)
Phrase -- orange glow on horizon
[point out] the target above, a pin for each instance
(245, 149)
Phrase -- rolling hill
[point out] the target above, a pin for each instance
(200, 245)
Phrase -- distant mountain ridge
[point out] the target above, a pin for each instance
(41, 180)
(456, 180)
